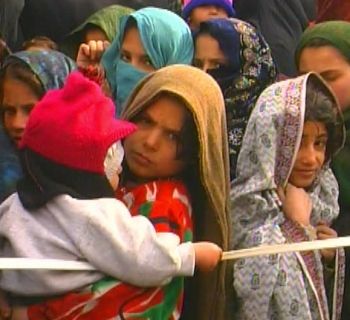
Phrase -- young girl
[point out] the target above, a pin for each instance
(175, 172)
(239, 59)
(102, 25)
(285, 192)
(148, 39)
(24, 78)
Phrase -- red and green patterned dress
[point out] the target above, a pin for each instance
(167, 205)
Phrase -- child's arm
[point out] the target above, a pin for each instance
(128, 248)
(296, 204)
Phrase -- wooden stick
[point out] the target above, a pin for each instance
(287, 247)
(43, 264)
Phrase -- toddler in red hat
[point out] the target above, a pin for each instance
(64, 207)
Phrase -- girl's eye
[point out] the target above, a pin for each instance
(321, 144)
(143, 121)
(147, 62)
(125, 57)
(8, 111)
(173, 136)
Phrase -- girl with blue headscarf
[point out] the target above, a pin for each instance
(148, 39)
(24, 79)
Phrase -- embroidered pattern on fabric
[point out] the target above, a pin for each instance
(287, 140)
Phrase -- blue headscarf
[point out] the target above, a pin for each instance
(51, 68)
(166, 39)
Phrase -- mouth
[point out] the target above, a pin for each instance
(307, 173)
(141, 159)
(17, 140)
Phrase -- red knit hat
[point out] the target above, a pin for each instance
(74, 126)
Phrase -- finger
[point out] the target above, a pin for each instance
(326, 229)
(99, 49)
(93, 48)
(106, 44)
(280, 193)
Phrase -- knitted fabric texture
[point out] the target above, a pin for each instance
(189, 5)
(74, 126)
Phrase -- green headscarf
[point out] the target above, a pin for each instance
(166, 39)
(337, 34)
(106, 19)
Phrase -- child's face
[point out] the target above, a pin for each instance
(133, 52)
(332, 66)
(18, 101)
(94, 33)
(205, 13)
(151, 152)
(311, 154)
(208, 54)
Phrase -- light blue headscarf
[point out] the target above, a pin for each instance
(166, 39)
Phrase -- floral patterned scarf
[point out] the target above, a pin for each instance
(286, 285)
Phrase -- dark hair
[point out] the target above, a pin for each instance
(130, 23)
(40, 42)
(18, 70)
(322, 107)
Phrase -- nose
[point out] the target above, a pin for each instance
(152, 139)
(20, 121)
(309, 155)
(206, 66)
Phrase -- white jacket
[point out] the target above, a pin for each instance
(101, 232)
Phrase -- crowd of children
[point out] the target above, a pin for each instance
(115, 151)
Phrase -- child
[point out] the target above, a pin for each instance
(24, 78)
(235, 54)
(102, 25)
(39, 43)
(285, 192)
(148, 39)
(196, 11)
(101, 299)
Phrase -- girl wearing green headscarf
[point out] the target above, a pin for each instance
(325, 48)
(148, 39)
(102, 25)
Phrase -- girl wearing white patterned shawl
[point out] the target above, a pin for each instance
(287, 286)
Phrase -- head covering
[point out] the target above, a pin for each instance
(51, 68)
(269, 149)
(74, 126)
(107, 19)
(65, 144)
(250, 70)
(336, 33)
(189, 5)
(203, 99)
(268, 153)
(166, 39)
